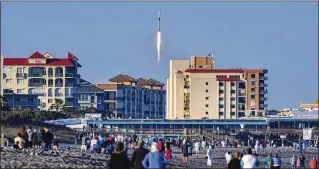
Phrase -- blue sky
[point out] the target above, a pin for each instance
(111, 38)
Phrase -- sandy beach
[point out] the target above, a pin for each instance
(75, 159)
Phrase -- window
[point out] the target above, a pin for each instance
(221, 84)
(233, 91)
(50, 100)
(19, 70)
(221, 99)
(241, 114)
(206, 91)
(253, 96)
(206, 113)
(253, 83)
(221, 91)
(232, 113)
(221, 76)
(221, 113)
(253, 113)
(7, 70)
(206, 83)
(30, 100)
(17, 99)
(221, 106)
(233, 99)
(7, 80)
(232, 83)
(207, 98)
(200, 66)
(19, 91)
(84, 97)
(206, 105)
(233, 106)
(253, 90)
(19, 81)
(253, 76)
(187, 76)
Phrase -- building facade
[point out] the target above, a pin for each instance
(90, 96)
(195, 90)
(48, 77)
(310, 106)
(134, 98)
(1, 74)
(22, 101)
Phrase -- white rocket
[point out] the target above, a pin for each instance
(158, 42)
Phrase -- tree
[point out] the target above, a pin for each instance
(3, 102)
(57, 105)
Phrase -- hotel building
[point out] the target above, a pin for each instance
(310, 106)
(45, 76)
(134, 98)
(196, 90)
(1, 75)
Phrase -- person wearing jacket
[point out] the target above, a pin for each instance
(138, 156)
(119, 159)
(34, 138)
(155, 159)
(269, 161)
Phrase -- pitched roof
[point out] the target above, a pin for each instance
(37, 55)
(71, 56)
(142, 81)
(50, 62)
(84, 82)
(89, 89)
(155, 82)
(122, 78)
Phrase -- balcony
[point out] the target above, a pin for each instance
(50, 74)
(69, 104)
(37, 85)
(21, 75)
(252, 93)
(70, 85)
(37, 74)
(58, 74)
(19, 103)
(59, 85)
(72, 75)
(58, 95)
(186, 86)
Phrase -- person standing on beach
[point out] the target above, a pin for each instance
(119, 159)
(228, 157)
(209, 156)
(235, 162)
(4, 142)
(277, 162)
(139, 155)
(196, 145)
(155, 159)
(185, 145)
(249, 160)
(269, 161)
(34, 138)
(168, 152)
(313, 163)
(19, 141)
(293, 161)
(29, 141)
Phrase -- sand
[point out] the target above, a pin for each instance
(75, 159)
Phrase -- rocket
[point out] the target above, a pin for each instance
(158, 42)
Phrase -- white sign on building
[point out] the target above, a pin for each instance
(307, 134)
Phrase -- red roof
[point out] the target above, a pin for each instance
(215, 70)
(71, 56)
(37, 55)
(50, 62)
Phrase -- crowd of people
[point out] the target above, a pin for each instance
(153, 151)
(28, 138)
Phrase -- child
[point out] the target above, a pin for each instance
(209, 156)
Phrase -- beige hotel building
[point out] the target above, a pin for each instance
(195, 90)
(45, 76)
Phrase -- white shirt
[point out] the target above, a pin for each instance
(228, 157)
(250, 161)
(196, 146)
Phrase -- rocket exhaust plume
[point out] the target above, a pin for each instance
(158, 38)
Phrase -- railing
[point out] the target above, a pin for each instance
(70, 75)
(50, 85)
(37, 75)
(70, 95)
(21, 75)
(26, 103)
(58, 75)
(58, 95)
(70, 85)
(37, 85)
(69, 104)
(39, 94)
(59, 85)
(50, 74)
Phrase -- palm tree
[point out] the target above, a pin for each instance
(58, 104)
(3, 102)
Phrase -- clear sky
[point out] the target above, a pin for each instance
(111, 38)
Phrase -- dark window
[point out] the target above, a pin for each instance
(221, 106)
(206, 112)
(232, 83)
(241, 114)
(253, 83)
(221, 91)
(233, 106)
(221, 113)
(206, 91)
(232, 99)
(233, 91)
(221, 83)
(187, 76)
(253, 90)
(253, 113)
(206, 83)
(207, 98)
(232, 113)
(221, 99)
(206, 105)
(253, 76)
(253, 96)
(200, 66)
